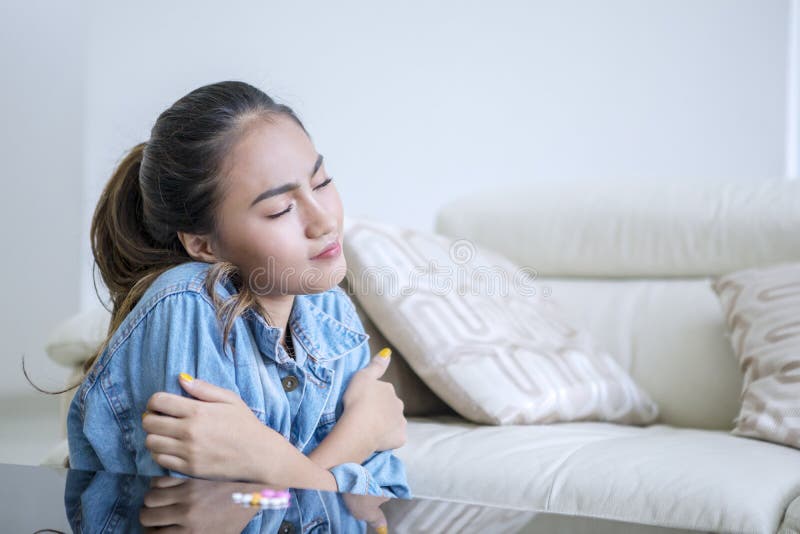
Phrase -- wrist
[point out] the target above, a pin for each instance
(265, 454)
(343, 444)
(282, 464)
(364, 442)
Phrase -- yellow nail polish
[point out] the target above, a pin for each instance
(385, 352)
(383, 529)
(187, 377)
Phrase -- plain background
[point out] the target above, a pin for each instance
(411, 103)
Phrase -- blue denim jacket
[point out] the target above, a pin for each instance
(173, 329)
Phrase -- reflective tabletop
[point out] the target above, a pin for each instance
(50, 499)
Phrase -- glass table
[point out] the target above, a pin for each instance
(50, 499)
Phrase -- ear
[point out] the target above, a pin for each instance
(199, 247)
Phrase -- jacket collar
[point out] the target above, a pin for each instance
(321, 336)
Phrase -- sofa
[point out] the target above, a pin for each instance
(632, 264)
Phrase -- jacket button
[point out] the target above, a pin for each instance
(286, 528)
(289, 383)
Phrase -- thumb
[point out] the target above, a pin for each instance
(377, 520)
(202, 390)
(379, 524)
(379, 363)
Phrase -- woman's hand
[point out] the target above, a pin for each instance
(193, 505)
(373, 406)
(217, 436)
(367, 508)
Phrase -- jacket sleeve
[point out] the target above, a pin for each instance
(179, 333)
(383, 473)
(184, 336)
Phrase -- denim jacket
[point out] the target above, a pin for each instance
(173, 329)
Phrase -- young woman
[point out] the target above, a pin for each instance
(232, 353)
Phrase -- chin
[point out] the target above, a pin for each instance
(330, 279)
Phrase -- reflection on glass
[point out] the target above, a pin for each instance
(107, 502)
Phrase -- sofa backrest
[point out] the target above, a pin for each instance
(633, 263)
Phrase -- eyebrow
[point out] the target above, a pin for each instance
(286, 187)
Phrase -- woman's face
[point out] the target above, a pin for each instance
(279, 210)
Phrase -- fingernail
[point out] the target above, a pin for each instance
(144, 414)
(385, 352)
(383, 529)
(187, 377)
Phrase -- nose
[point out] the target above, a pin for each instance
(320, 220)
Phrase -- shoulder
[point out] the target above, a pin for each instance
(185, 285)
(189, 276)
(176, 298)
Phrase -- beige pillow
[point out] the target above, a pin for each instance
(418, 399)
(467, 322)
(762, 308)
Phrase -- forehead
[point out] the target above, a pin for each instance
(268, 153)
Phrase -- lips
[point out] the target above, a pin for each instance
(334, 244)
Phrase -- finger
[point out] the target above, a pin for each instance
(163, 425)
(377, 521)
(171, 404)
(166, 515)
(174, 463)
(379, 363)
(166, 482)
(200, 389)
(160, 497)
(163, 445)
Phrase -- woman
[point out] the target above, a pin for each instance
(219, 240)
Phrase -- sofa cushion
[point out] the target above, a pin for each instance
(658, 475)
(472, 328)
(791, 520)
(633, 229)
(762, 307)
(74, 340)
(669, 334)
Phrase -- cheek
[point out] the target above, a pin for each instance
(248, 244)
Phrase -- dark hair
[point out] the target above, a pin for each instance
(169, 184)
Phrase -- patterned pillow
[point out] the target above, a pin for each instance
(470, 325)
(418, 399)
(762, 308)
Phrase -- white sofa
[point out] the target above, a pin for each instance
(631, 263)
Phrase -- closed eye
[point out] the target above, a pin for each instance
(323, 184)
(287, 210)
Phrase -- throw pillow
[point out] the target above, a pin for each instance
(418, 399)
(470, 325)
(762, 309)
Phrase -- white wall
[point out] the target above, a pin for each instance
(411, 103)
(41, 142)
(415, 102)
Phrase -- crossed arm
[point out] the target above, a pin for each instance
(238, 446)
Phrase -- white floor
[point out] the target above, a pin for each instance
(30, 426)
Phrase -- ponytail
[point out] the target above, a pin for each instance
(128, 257)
